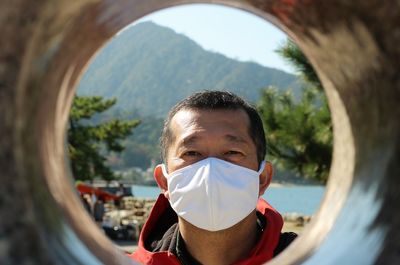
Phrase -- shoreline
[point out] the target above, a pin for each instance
(279, 185)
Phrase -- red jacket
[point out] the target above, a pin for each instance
(261, 253)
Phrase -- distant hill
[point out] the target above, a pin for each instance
(148, 68)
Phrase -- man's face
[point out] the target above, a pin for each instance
(198, 134)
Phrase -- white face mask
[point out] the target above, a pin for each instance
(213, 194)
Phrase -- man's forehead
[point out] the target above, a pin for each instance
(189, 116)
(187, 120)
(185, 117)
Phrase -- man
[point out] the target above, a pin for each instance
(98, 211)
(210, 210)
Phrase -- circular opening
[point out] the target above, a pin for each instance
(147, 56)
(90, 29)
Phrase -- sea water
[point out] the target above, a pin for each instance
(291, 199)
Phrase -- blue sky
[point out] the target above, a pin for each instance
(232, 32)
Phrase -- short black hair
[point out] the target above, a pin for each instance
(217, 100)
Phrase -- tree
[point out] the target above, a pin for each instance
(294, 56)
(88, 143)
(298, 132)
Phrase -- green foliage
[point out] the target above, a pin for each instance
(142, 147)
(291, 52)
(87, 142)
(299, 133)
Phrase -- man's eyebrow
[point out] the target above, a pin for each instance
(189, 140)
(236, 139)
(192, 139)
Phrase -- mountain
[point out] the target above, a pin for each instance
(149, 68)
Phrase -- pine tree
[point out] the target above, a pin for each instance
(298, 132)
(88, 143)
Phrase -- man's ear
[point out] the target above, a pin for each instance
(265, 177)
(161, 179)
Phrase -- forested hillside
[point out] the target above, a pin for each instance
(148, 68)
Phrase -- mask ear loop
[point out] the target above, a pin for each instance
(262, 166)
(164, 170)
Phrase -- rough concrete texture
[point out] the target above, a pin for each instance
(45, 47)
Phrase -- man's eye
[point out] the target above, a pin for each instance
(191, 153)
(232, 152)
